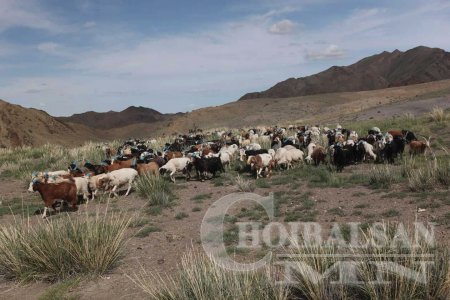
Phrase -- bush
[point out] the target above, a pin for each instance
(437, 115)
(244, 185)
(309, 258)
(155, 189)
(202, 278)
(58, 249)
(383, 176)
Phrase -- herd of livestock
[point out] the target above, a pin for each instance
(288, 147)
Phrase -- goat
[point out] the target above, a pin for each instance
(261, 162)
(51, 192)
(205, 165)
(419, 147)
(119, 178)
(174, 165)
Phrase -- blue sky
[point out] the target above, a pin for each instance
(68, 57)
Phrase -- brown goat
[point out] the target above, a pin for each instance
(170, 155)
(50, 192)
(396, 133)
(419, 147)
(150, 168)
(319, 155)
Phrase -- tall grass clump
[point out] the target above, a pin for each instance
(437, 115)
(389, 261)
(429, 175)
(243, 185)
(201, 278)
(59, 249)
(383, 176)
(155, 189)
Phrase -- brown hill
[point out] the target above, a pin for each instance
(387, 69)
(113, 119)
(21, 126)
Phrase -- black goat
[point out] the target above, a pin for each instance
(343, 156)
(394, 148)
(205, 165)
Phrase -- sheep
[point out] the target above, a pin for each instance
(296, 154)
(174, 165)
(283, 157)
(119, 178)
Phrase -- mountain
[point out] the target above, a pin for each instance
(384, 70)
(113, 119)
(21, 126)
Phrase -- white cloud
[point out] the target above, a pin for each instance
(22, 13)
(89, 24)
(282, 27)
(331, 52)
(49, 47)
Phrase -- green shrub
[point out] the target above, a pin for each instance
(155, 189)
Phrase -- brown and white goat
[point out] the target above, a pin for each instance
(51, 192)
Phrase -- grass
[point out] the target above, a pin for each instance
(244, 185)
(391, 213)
(196, 209)
(200, 277)
(59, 291)
(181, 215)
(383, 176)
(62, 248)
(201, 197)
(338, 211)
(144, 232)
(308, 259)
(156, 190)
(18, 206)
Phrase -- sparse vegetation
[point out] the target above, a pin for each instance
(181, 215)
(244, 185)
(144, 232)
(200, 277)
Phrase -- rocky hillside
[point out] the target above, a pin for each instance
(21, 126)
(384, 70)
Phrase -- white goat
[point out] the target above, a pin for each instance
(119, 178)
(175, 165)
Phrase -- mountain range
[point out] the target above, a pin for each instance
(379, 80)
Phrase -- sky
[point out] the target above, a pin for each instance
(68, 57)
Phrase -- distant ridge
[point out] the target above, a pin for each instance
(113, 119)
(384, 70)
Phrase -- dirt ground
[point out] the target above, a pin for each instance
(160, 252)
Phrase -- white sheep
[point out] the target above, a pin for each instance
(119, 178)
(283, 157)
(175, 165)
